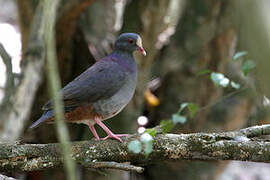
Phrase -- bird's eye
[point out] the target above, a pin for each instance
(130, 41)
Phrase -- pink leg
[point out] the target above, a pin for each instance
(108, 131)
(93, 130)
(118, 135)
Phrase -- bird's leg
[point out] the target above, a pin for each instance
(108, 131)
(93, 130)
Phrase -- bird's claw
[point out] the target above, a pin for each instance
(115, 136)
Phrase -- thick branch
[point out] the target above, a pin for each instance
(256, 131)
(75, 6)
(67, 19)
(198, 146)
(25, 15)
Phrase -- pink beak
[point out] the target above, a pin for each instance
(142, 51)
(139, 45)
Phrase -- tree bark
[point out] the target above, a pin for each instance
(233, 145)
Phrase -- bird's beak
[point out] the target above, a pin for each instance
(140, 47)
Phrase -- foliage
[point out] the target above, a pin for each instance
(238, 55)
(146, 140)
(203, 72)
(247, 64)
(151, 131)
(193, 108)
(235, 85)
(135, 146)
(145, 144)
(176, 118)
(219, 79)
(166, 126)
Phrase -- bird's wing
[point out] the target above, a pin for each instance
(100, 81)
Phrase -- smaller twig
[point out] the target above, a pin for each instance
(50, 11)
(114, 165)
(9, 86)
(227, 96)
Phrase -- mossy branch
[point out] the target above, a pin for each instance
(233, 145)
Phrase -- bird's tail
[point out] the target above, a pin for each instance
(46, 115)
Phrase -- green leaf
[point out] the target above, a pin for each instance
(239, 54)
(247, 65)
(135, 146)
(151, 131)
(148, 148)
(147, 140)
(193, 108)
(166, 126)
(224, 82)
(216, 77)
(203, 72)
(219, 79)
(176, 118)
(145, 137)
(235, 85)
(182, 107)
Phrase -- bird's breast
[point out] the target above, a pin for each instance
(111, 106)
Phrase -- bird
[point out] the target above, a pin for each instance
(102, 91)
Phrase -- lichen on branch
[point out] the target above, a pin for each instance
(233, 145)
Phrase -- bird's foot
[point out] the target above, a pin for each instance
(108, 131)
(93, 130)
(115, 136)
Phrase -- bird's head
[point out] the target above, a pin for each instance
(129, 42)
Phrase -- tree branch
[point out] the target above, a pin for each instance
(23, 97)
(25, 16)
(50, 9)
(3, 177)
(256, 131)
(233, 145)
(75, 6)
(113, 165)
(9, 86)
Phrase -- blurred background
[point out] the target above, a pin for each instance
(186, 41)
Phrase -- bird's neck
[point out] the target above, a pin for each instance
(125, 59)
(123, 54)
